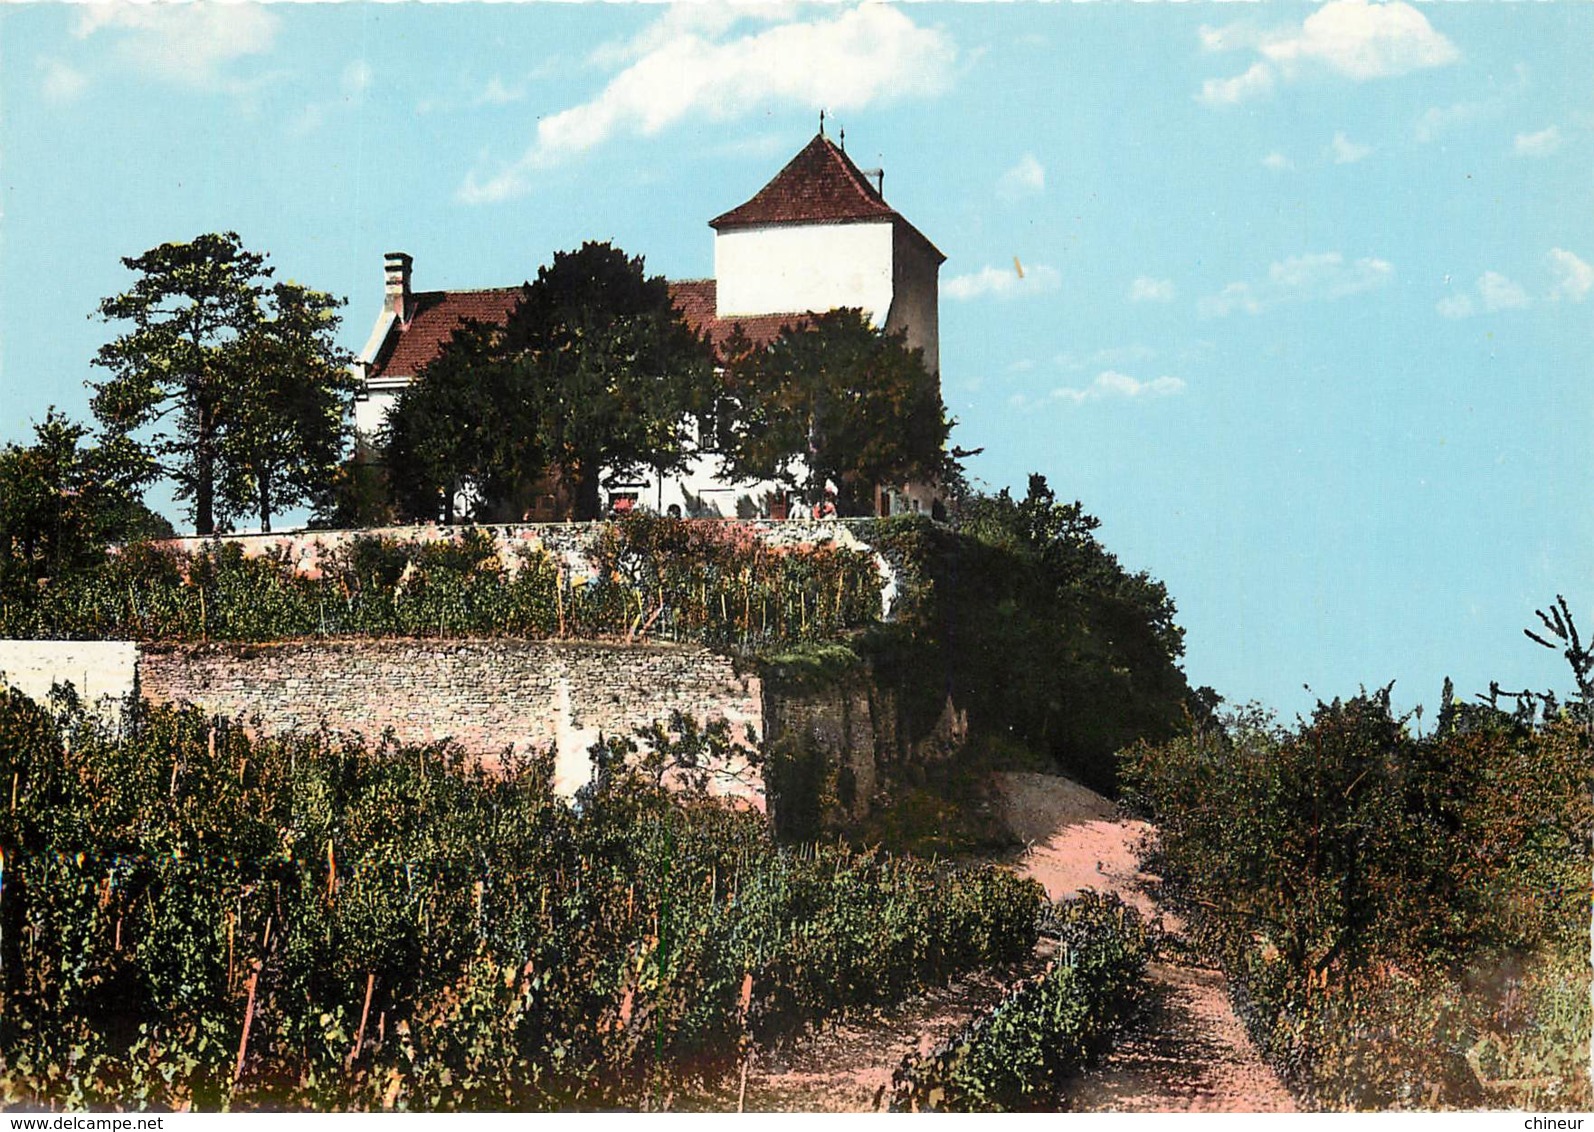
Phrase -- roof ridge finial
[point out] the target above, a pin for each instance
(821, 121)
(844, 139)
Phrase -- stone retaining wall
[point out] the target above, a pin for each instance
(485, 695)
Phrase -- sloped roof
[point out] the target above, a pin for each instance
(409, 347)
(697, 302)
(819, 185)
(438, 314)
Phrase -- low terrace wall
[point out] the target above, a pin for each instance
(485, 696)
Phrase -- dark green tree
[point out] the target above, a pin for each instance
(1061, 539)
(617, 374)
(358, 495)
(595, 374)
(469, 428)
(285, 433)
(834, 398)
(62, 503)
(1027, 622)
(176, 374)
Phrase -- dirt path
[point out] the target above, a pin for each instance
(1189, 1053)
(848, 1068)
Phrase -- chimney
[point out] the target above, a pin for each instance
(396, 293)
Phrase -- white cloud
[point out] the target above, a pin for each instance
(1539, 144)
(689, 65)
(1277, 162)
(1324, 275)
(1003, 282)
(499, 93)
(1328, 275)
(1145, 289)
(1437, 121)
(1574, 278)
(354, 82)
(1493, 292)
(1234, 297)
(1257, 79)
(61, 82)
(307, 121)
(189, 44)
(1347, 152)
(1352, 39)
(1365, 41)
(1026, 179)
(1499, 293)
(1111, 383)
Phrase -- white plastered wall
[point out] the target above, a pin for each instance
(804, 267)
(371, 410)
(98, 670)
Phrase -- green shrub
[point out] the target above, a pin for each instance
(1400, 912)
(1018, 1056)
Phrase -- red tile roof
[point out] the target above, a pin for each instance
(819, 185)
(695, 299)
(437, 314)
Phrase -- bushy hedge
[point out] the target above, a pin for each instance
(1034, 629)
(1047, 1029)
(645, 576)
(1406, 916)
(190, 917)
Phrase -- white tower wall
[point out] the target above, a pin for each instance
(804, 267)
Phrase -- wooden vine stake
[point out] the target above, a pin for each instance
(365, 1013)
(249, 1017)
(743, 1001)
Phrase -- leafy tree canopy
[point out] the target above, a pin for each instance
(615, 368)
(835, 399)
(1061, 539)
(285, 433)
(228, 382)
(1029, 624)
(469, 427)
(62, 503)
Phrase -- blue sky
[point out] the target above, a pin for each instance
(1306, 304)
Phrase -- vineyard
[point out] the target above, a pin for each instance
(1019, 1056)
(703, 582)
(192, 918)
